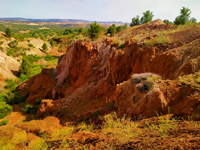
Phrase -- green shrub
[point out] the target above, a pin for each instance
(121, 28)
(68, 31)
(45, 47)
(135, 21)
(4, 122)
(144, 81)
(53, 43)
(112, 29)
(5, 109)
(31, 45)
(10, 52)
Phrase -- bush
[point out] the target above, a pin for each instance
(121, 28)
(193, 20)
(167, 21)
(4, 122)
(10, 52)
(52, 43)
(112, 29)
(44, 47)
(31, 45)
(8, 33)
(135, 21)
(5, 109)
(68, 31)
(25, 67)
(144, 81)
(94, 30)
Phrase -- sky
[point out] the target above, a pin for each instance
(97, 10)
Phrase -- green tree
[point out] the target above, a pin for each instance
(68, 31)
(8, 33)
(25, 67)
(135, 21)
(112, 29)
(147, 16)
(193, 20)
(184, 17)
(44, 47)
(53, 43)
(94, 31)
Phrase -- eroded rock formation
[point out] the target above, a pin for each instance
(84, 83)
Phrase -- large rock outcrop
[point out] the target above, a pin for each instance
(84, 84)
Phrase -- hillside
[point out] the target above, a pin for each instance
(137, 89)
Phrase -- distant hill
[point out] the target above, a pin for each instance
(58, 20)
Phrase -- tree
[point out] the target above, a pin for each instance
(25, 67)
(53, 43)
(112, 29)
(94, 30)
(184, 17)
(8, 32)
(44, 47)
(135, 21)
(193, 20)
(147, 16)
(68, 31)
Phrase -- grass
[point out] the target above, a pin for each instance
(120, 128)
(191, 80)
(159, 39)
(164, 126)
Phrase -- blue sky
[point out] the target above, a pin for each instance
(96, 10)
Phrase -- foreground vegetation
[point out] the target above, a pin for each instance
(111, 133)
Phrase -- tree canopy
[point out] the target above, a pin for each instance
(112, 29)
(184, 17)
(135, 21)
(8, 32)
(94, 30)
(147, 16)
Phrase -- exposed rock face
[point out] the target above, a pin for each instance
(87, 75)
(164, 97)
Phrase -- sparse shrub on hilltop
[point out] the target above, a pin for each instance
(193, 20)
(167, 21)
